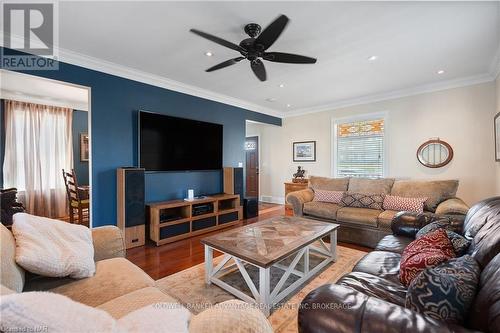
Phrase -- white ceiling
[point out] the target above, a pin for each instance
(150, 41)
(34, 89)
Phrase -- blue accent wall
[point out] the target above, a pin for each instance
(79, 126)
(114, 105)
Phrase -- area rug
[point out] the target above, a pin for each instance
(189, 288)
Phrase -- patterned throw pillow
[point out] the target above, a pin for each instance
(445, 292)
(361, 200)
(428, 251)
(392, 202)
(459, 242)
(328, 196)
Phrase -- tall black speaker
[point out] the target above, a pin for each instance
(131, 210)
(233, 182)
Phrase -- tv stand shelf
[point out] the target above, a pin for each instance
(173, 220)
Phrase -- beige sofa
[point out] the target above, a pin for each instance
(367, 226)
(118, 286)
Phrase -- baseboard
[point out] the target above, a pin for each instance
(271, 199)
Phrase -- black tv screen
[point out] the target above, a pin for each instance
(176, 144)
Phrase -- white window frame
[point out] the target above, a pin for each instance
(363, 117)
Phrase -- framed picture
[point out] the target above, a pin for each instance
(304, 151)
(84, 147)
(497, 137)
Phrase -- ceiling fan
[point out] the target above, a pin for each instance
(254, 48)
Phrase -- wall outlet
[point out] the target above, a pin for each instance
(240, 164)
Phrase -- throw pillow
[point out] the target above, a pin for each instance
(328, 196)
(392, 202)
(53, 248)
(362, 200)
(445, 292)
(459, 242)
(428, 251)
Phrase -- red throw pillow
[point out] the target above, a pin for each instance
(427, 251)
(392, 202)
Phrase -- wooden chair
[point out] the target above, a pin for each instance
(76, 199)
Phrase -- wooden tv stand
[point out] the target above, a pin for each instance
(173, 220)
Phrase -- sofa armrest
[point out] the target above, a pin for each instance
(298, 198)
(409, 223)
(108, 243)
(230, 316)
(334, 308)
(454, 206)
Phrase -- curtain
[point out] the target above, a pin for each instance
(38, 145)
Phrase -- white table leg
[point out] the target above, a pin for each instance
(208, 263)
(333, 245)
(264, 289)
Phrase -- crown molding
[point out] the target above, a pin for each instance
(423, 89)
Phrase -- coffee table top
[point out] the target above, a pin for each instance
(267, 242)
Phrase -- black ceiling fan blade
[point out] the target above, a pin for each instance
(225, 64)
(218, 40)
(259, 69)
(288, 58)
(272, 32)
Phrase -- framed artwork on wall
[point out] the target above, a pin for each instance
(304, 151)
(497, 137)
(84, 147)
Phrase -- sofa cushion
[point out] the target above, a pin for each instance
(362, 200)
(380, 263)
(329, 184)
(445, 292)
(375, 286)
(328, 196)
(122, 305)
(53, 248)
(436, 191)
(367, 185)
(113, 278)
(428, 251)
(324, 210)
(385, 219)
(11, 274)
(392, 243)
(358, 215)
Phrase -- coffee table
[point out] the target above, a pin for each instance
(277, 242)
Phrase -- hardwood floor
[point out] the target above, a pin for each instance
(161, 261)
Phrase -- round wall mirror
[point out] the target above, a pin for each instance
(434, 153)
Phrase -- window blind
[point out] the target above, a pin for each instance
(360, 149)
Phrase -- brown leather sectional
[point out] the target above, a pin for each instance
(365, 226)
(371, 298)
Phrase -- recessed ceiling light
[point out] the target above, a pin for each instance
(289, 105)
(440, 71)
(209, 54)
(270, 99)
(373, 58)
(281, 85)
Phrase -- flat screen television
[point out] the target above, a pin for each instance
(176, 144)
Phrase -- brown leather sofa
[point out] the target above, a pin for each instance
(365, 226)
(371, 298)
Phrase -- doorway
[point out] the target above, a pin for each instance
(51, 178)
(252, 166)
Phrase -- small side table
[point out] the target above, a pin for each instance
(292, 187)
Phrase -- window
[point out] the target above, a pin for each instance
(359, 148)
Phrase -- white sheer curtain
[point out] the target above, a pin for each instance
(38, 144)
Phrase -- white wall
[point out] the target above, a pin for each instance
(460, 116)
